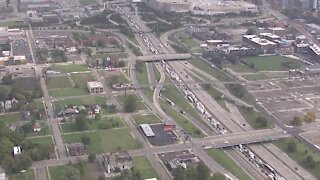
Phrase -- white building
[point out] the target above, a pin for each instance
(95, 87)
(147, 130)
(3, 3)
(16, 150)
(178, 6)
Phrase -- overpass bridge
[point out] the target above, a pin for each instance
(247, 137)
(166, 57)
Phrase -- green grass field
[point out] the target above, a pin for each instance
(45, 130)
(183, 122)
(225, 161)
(81, 79)
(41, 140)
(91, 100)
(68, 92)
(300, 155)
(145, 118)
(272, 63)
(11, 117)
(111, 122)
(58, 82)
(29, 174)
(117, 55)
(156, 73)
(56, 171)
(187, 40)
(115, 79)
(106, 141)
(206, 67)
(142, 76)
(142, 164)
(255, 77)
(177, 97)
(140, 104)
(239, 67)
(70, 68)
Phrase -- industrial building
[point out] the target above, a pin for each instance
(95, 87)
(147, 130)
(259, 42)
(3, 3)
(177, 6)
(218, 7)
(115, 162)
(13, 60)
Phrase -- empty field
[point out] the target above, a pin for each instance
(91, 100)
(142, 164)
(68, 92)
(81, 79)
(272, 63)
(145, 119)
(70, 68)
(58, 82)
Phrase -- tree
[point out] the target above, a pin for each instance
(4, 92)
(203, 171)
(92, 157)
(85, 140)
(179, 174)
(97, 117)
(297, 121)
(310, 117)
(7, 79)
(310, 162)
(81, 122)
(262, 121)
(251, 31)
(101, 43)
(292, 146)
(70, 173)
(130, 104)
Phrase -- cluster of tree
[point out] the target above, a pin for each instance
(113, 63)
(9, 139)
(309, 117)
(196, 172)
(117, 18)
(251, 31)
(130, 104)
(59, 56)
(42, 54)
(237, 90)
(136, 50)
(126, 31)
(257, 2)
(24, 97)
(161, 27)
(179, 48)
(97, 19)
(73, 172)
(309, 162)
(131, 174)
(5, 47)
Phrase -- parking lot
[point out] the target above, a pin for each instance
(20, 47)
(294, 97)
(161, 137)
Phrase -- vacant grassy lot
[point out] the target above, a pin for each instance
(145, 118)
(56, 171)
(92, 100)
(58, 82)
(142, 164)
(206, 67)
(300, 154)
(70, 68)
(29, 174)
(239, 67)
(251, 117)
(225, 161)
(106, 141)
(177, 97)
(183, 122)
(140, 104)
(142, 75)
(187, 40)
(41, 140)
(104, 123)
(81, 79)
(117, 55)
(272, 63)
(255, 77)
(68, 92)
(11, 117)
(115, 79)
